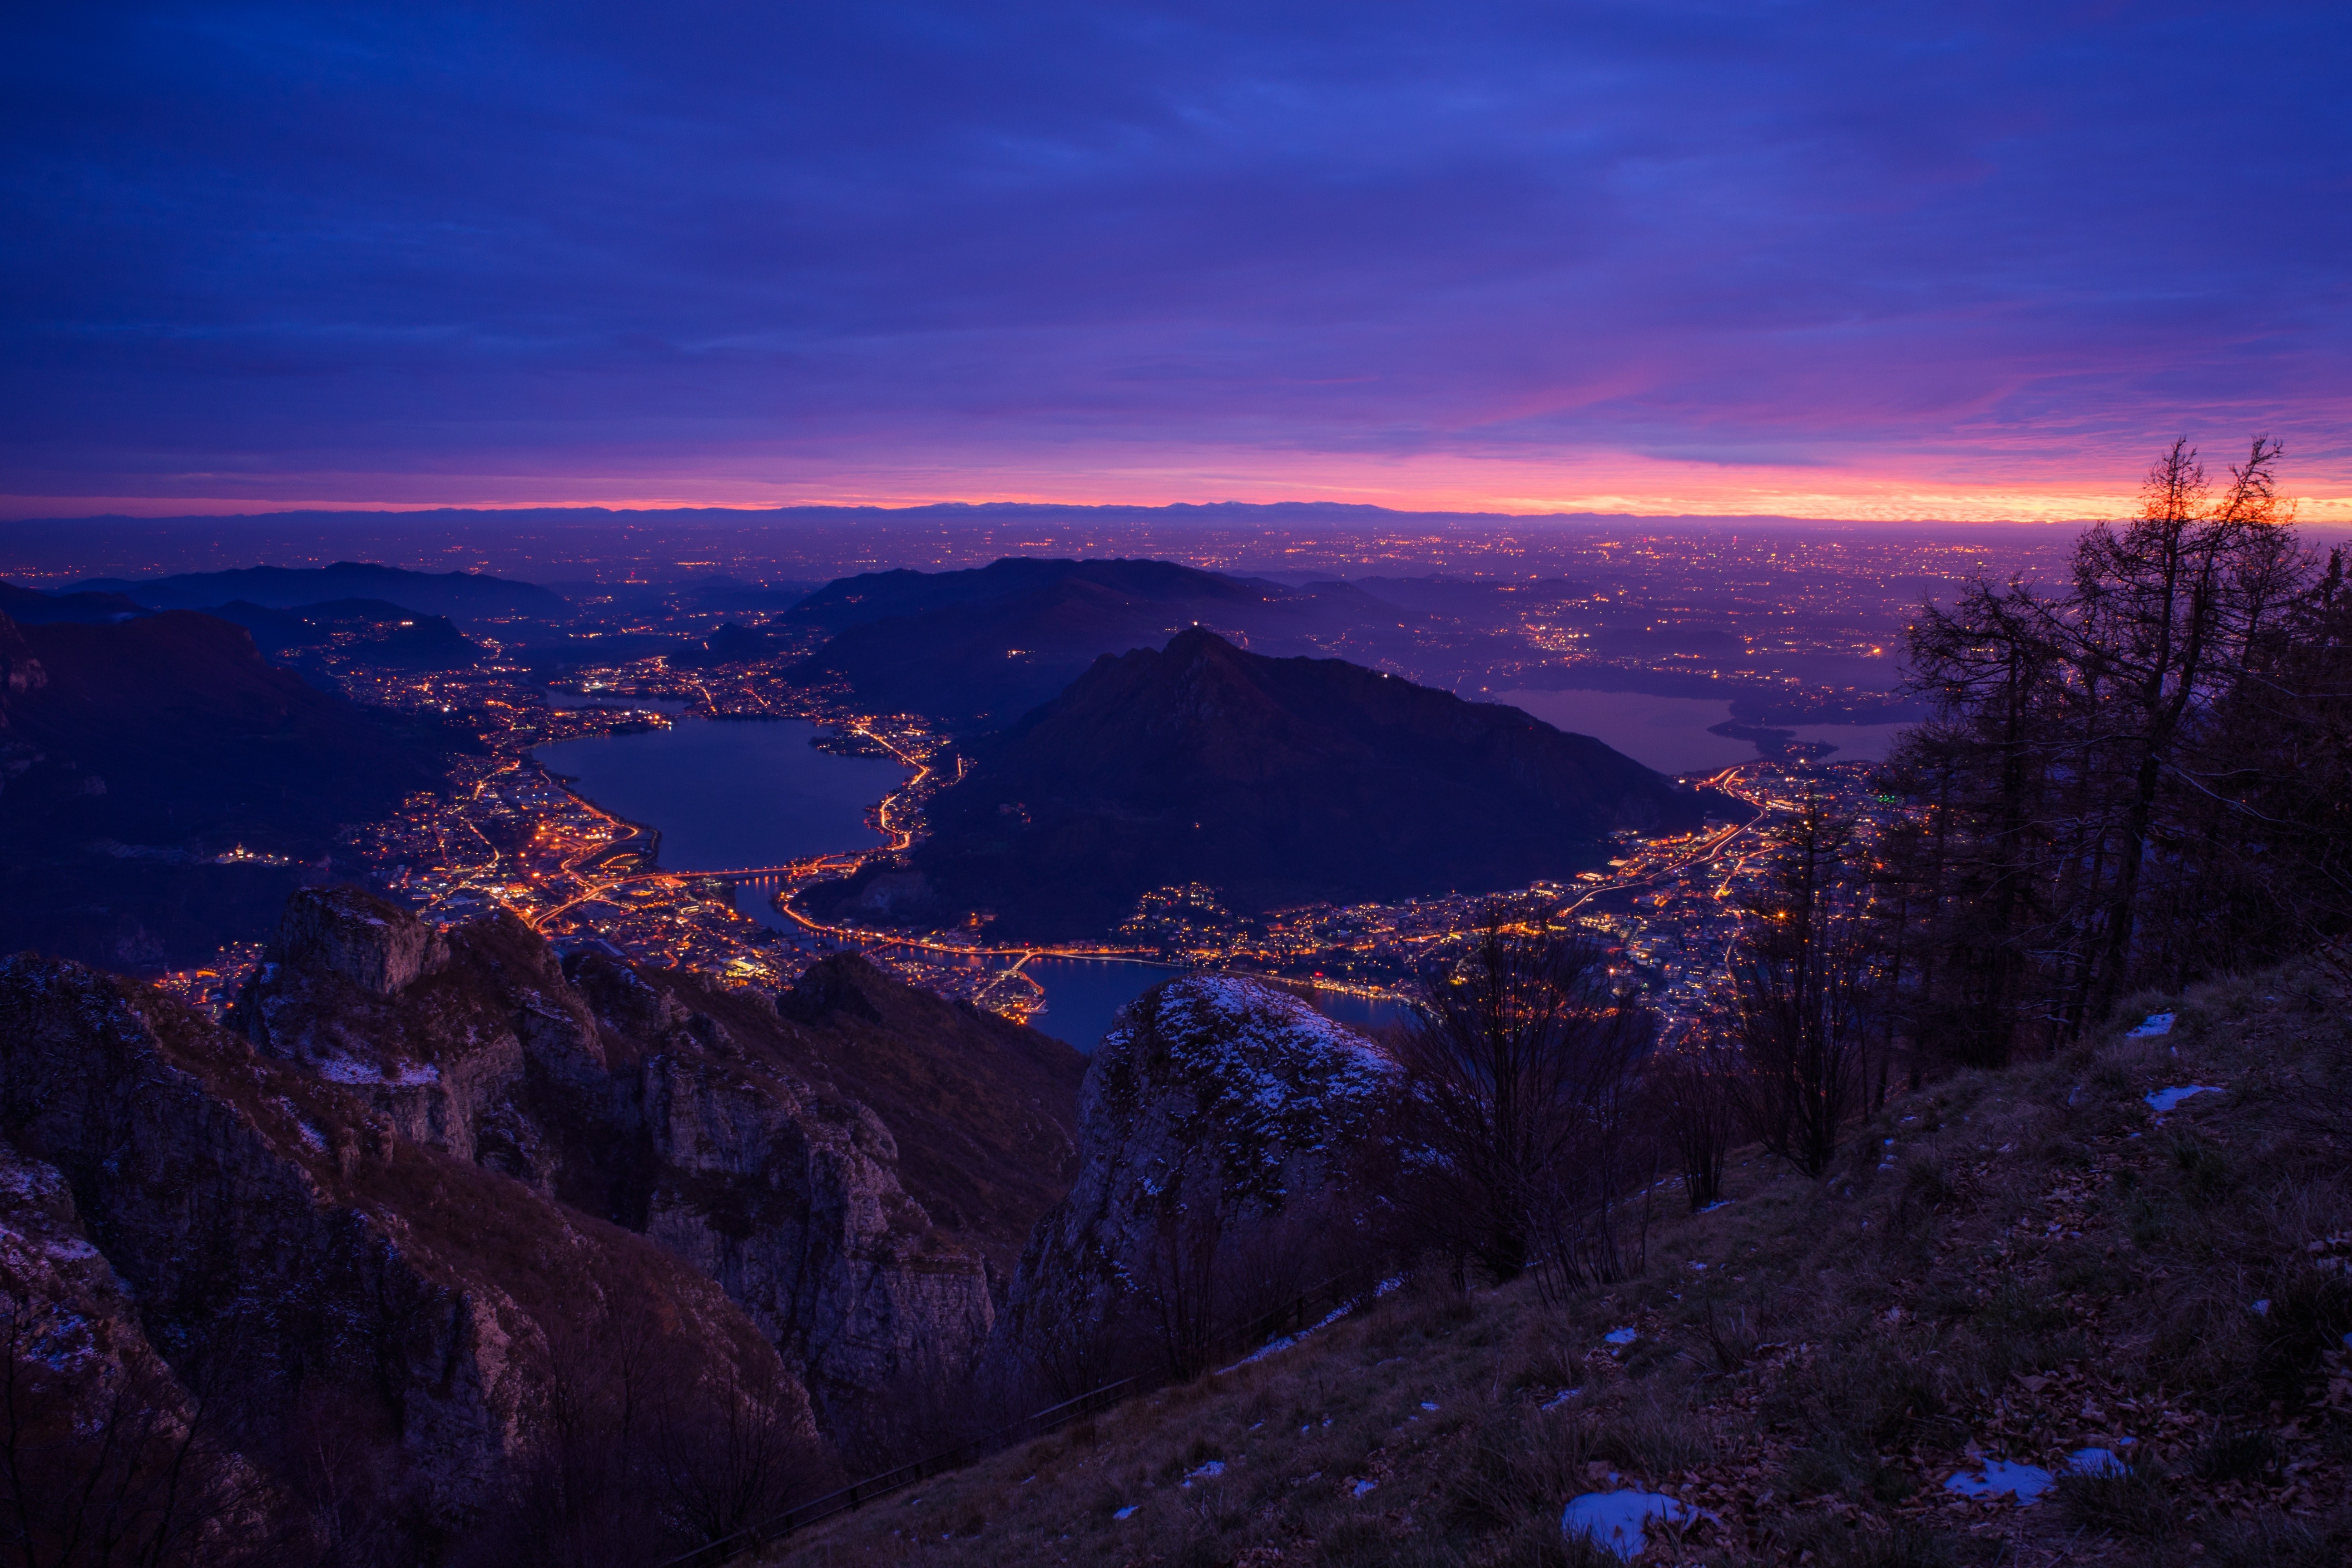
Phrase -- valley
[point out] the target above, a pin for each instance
(509, 831)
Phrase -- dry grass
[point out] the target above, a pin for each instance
(2023, 1263)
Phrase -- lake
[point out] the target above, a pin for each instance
(733, 794)
(1082, 996)
(1670, 733)
(730, 793)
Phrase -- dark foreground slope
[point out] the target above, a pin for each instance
(2013, 1266)
(984, 646)
(133, 753)
(1278, 781)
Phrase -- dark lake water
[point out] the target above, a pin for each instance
(1670, 733)
(729, 793)
(1084, 995)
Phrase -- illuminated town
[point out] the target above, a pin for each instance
(509, 835)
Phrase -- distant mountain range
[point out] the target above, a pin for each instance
(982, 647)
(132, 753)
(32, 608)
(1279, 781)
(463, 597)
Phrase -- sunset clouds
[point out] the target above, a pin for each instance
(1811, 259)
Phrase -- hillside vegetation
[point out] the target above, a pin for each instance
(2012, 1265)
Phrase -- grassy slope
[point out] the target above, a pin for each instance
(2037, 1264)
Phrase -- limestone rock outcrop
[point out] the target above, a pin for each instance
(1222, 1116)
(856, 1163)
(176, 1207)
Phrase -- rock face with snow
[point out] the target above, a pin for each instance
(1216, 1108)
(178, 1212)
(745, 1134)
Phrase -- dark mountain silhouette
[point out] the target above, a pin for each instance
(32, 608)
(369, 630)
(135, 753)
(461, 595)
(882, 596)
(984, 646)
(1280, 781)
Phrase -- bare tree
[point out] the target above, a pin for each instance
(1801, 983)
(1186, 1263)
(2131, 779)
(1696, 1096)
(1521, 1065)
(2163, 609)
(119, 1466)
(728, 1461)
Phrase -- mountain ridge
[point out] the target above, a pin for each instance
(461, 595)
(1267, 778)
(982, 647)
(136, 751)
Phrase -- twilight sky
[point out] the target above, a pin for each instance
(1841, 260)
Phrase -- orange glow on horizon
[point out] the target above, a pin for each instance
(1637, 487)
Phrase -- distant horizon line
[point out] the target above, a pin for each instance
(272, 510)
(2334, 514)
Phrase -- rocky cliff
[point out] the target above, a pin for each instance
(1226, 1129)
(856, 1163)
(194, 1235)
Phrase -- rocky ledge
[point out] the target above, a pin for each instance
(1229, 1143)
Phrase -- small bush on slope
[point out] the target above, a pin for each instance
(2015, 1265)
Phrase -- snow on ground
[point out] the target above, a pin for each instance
(407, 1075)
(2156, 1024)
(1994, 1476)
(2166, 1098)
(1615, 1520)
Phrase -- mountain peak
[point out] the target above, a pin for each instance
(1271, 779)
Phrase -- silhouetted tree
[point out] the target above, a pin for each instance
(1522, 1064)
(2131, 779)
(1696, 1100)
(1803, 975)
